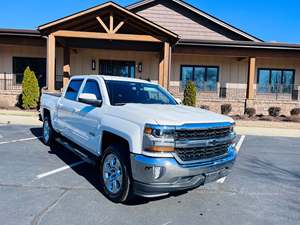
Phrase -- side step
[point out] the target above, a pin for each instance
(77, 150)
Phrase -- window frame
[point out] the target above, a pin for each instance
(270, 78)
(206, 67)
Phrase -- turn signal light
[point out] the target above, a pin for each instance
(160, 149)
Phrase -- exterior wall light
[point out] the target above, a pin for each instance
(93, 64)
(140, 67)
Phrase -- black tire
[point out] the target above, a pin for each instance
(50, 138)
(124, 194)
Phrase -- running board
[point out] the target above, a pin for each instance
(76, 150)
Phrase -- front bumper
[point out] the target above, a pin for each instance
(157, 176)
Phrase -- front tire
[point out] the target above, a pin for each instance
(114, 174)
(48, 132)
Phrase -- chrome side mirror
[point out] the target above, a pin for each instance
(90, 99)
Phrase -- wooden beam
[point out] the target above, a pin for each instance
(66, 67)
(51, 62)
(111, 22)
(161, 70)
(106, 36)
(167, 59)
(102, 24)
(118, 27)
(251, 78)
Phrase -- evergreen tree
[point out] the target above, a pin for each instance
(190, 93)
(30, 90)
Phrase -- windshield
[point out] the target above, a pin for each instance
(123, 92)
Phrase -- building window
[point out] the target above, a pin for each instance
(206, 78)
(38, 65)
(117, 68)
(275, 80)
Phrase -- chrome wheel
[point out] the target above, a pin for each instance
(112, 173)
(46, 131)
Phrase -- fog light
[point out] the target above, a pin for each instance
(156, 172)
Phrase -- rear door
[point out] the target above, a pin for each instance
(67, 108)
(88, 118)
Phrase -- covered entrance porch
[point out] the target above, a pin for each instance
(110, 40)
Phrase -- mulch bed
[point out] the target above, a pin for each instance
(281, 118)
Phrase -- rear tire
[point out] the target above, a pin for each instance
(48, 132)
(115, 174)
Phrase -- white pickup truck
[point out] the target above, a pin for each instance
(144, 142)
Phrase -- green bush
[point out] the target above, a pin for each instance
(190, 93)
(295, 112)
(206, 107)
(226, 109)
(251, 112)
(274, 111)
(30, 90)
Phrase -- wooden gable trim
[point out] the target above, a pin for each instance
(108, 4)
(106, 36)
(199, 12)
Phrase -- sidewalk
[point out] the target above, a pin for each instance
(268, 129)
(19, 117)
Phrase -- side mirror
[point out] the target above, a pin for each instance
(90, 99)
(178, 100)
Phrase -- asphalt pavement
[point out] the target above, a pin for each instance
(39, 185)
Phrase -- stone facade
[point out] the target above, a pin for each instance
(237, 99)
(9, 99)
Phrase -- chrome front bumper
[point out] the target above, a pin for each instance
(157, 176)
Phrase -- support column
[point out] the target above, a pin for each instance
(167, 60)
(164, 66)
(66, 68)
(251, 78)
(51, 63)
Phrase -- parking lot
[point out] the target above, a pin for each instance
(39, 185)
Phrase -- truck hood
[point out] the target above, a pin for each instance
(167, 114)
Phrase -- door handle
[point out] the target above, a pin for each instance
(76, 110)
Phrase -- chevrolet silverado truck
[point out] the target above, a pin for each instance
(144, 142)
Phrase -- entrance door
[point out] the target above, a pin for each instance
(117, 68)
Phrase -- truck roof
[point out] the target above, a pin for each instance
(116, 78)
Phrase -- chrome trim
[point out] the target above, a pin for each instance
(199, 126)
(141, 167)
(205, 142)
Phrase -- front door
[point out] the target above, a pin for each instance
(88, 118)
(117, 68)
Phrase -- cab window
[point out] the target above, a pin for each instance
(73, 89)
(92, 87)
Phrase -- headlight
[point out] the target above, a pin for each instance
(158, 138)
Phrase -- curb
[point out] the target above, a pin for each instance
(18, 113)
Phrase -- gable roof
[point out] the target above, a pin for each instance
(94, 9)
(201, 13)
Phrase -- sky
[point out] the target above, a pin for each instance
(270, 20)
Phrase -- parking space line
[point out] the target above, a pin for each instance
(59, 170)
(239, 144)
(20, 140)
(237, 147)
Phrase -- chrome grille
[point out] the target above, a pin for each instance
(201, 134)
(201, 153)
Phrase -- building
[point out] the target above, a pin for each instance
(166, 41)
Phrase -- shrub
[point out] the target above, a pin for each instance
(274, 111)
(251, 112)
(190, 92)
(30, 90)
(226, 109)
(206, 107)
(295, 112)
